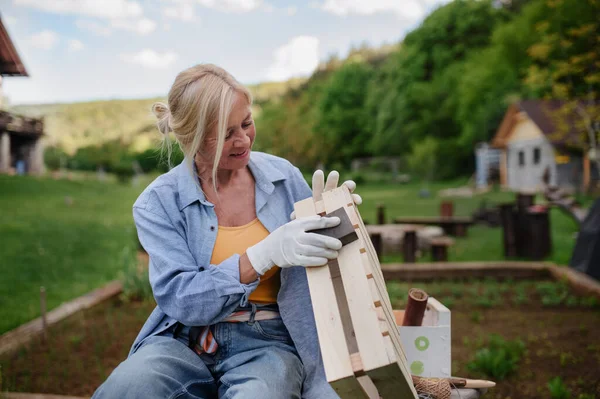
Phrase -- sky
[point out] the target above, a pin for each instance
(82, 50)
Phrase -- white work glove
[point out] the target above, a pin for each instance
(291, 245)
(333, 178)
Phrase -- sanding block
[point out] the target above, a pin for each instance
(344, 231)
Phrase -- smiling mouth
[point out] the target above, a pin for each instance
(241, 154)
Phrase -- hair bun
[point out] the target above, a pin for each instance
(160, 110)
(163, 114)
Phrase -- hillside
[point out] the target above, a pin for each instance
(75, 125)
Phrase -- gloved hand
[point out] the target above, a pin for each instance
(291, 245)
(333, 178)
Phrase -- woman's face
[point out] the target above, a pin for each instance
(239, 137)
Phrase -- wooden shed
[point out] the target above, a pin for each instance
(21, 148)
(545, 140)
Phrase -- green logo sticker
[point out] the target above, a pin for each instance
(417, 367)
(422, 343)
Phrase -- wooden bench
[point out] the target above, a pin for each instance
(454, 226)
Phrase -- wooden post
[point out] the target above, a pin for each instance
(439, 249)
(409, 245)
(447, 209)
(415, 307)
(377, 244)
(507, 218)
(380, 214)
(539, 238)
(43, 313)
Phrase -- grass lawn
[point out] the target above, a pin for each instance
(71, 249)
(68, 249)
(482, 243)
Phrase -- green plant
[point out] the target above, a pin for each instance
(558, 389)
(488, 301)
(499, 358)
(134, 277)
(476, 317)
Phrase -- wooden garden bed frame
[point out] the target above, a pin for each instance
(579, 282)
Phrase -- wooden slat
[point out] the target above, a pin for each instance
(358, 294)
(336, 358)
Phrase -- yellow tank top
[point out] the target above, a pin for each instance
(235, 240)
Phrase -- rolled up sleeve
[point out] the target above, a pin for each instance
(195, 295)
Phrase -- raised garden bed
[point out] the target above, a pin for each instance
(558, 331)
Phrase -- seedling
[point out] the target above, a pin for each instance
(558, 389)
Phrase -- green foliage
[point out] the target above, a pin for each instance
(54, 157)
(553, 293)
(342, 117)
(422, 160)
(134, 276)
(558, 389)
(499, 358)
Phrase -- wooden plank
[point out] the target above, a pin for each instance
(358, 294)
(580, 282)
(336, 358)
(449, 270)
(28, 331)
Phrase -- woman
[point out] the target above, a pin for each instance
(234, 317)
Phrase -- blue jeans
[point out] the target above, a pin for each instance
(255, 359)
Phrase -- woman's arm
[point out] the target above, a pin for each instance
(195, 295)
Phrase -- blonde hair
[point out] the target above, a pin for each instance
(200, 99)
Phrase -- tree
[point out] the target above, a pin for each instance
(342, 118)
(566, 66)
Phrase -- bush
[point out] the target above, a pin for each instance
(499, 359)
(134, 277)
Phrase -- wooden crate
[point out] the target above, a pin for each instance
(358, 337)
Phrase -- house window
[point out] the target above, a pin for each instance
(537, 155)
(521, 158)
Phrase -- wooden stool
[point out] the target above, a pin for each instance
(439, 248)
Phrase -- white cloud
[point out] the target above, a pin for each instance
(75, 45)
(95, 27)
(142, 26)
(406, 9)
(90, 8)
(232, 5)
(45, 40)
(299, 56)
(10, 20)
(292, 10)
(151, 59)
(182, 11)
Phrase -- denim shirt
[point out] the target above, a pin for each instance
(178, 227)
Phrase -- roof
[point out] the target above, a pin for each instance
(10, 62)
(558, 120)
